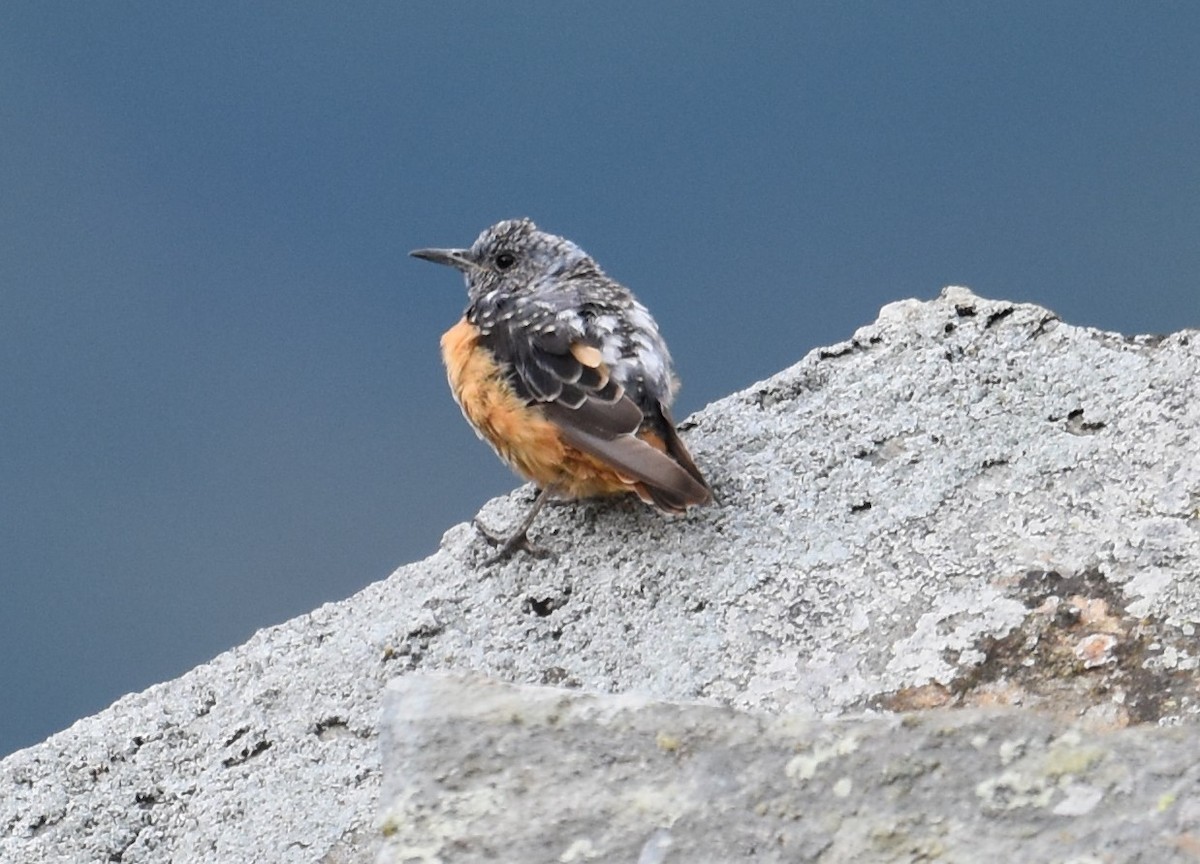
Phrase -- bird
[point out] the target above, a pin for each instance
(564, 373)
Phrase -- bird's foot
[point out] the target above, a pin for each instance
(509, 545)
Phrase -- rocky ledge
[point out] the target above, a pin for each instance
(944, 609)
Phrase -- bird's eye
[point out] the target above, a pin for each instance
(504, 260)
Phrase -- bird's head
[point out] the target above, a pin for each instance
(512, 258)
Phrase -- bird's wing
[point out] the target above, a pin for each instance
(566, 374)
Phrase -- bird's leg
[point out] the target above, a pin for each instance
(519, 538)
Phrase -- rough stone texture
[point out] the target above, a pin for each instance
(969, 503)
(484, 771)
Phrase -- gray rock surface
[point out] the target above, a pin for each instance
(969, 503)
(477, 770)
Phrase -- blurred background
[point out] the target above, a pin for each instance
(221, 399)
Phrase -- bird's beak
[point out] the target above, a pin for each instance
(456, 258)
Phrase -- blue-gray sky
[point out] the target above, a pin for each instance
(221, 401)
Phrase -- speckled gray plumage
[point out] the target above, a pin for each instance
(556, 294)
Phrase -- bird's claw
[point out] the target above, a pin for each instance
(508, 546)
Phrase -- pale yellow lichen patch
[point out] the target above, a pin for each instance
(667, 742)
(803, 766)
(1013, 790)
(428, 830)
(661, 804)
(1010, 750)
(582, 849)
(1064, 760)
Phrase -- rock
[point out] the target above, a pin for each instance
(476, 770)
(968, 504)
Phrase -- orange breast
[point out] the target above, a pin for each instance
(519, 433)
